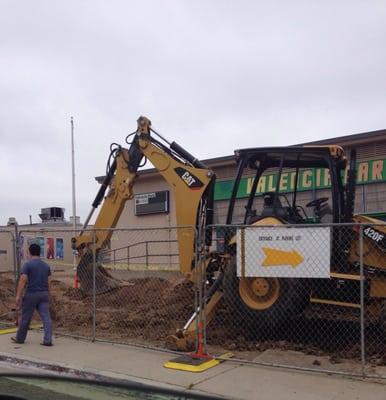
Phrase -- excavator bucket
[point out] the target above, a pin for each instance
(181, 341)
(104, 281)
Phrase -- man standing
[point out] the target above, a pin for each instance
(34, 274)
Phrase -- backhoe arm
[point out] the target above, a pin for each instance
(189, 180)
(119, 191)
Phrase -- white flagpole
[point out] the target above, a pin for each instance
(73, 183)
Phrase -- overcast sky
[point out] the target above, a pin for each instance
(212, 75)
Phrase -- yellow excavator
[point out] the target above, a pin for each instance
(267, 302)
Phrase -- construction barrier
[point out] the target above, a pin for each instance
(129, 290)
(306, 296)
(153, 298)
(8, 278)
(310, 297)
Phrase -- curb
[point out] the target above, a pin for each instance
(57, 368)
(68, 371)
(86, 375)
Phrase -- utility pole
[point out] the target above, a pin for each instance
(73, 185)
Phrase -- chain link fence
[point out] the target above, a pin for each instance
(301, 296)
(55, 249)
(306, 296)
(372, 250)
(8, 278)
(130, 290)
(153, 299)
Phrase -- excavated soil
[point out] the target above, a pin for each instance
(313, 336)
(7, 298)
(144, 310)
(148, 310)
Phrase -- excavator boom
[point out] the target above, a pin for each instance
(189, 179)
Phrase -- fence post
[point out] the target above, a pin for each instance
(197, 290)
(17, 252)
(128, 256)
(362, 302)
(201, 318)
(147, 253)
(114, 258)
(203, 288)
(15, 260)
(93, 287)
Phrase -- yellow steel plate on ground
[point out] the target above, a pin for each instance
(190, 367)
(190, 364)
(13, 330)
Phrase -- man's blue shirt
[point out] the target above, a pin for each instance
(37, 272)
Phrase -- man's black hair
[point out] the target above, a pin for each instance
(34, 249)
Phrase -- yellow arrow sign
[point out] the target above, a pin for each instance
(275, 257)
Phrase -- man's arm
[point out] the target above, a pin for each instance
(20, 287)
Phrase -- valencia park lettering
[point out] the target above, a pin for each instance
(309, 179)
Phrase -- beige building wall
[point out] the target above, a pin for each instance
(145, 184)
(146, 241)
(6, 250)
(29, 233)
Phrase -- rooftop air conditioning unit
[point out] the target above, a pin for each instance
(11, 221)
(52, 214)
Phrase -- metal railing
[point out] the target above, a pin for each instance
(146, 256)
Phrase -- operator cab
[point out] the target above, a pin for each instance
(304, 185)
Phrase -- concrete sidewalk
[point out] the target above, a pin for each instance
(229, 379)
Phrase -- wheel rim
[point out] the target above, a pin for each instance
(259, 293)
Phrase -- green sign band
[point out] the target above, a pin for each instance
(309, 179)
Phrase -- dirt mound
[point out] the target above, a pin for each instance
(337, 339)
(7, 298)
(142, 309)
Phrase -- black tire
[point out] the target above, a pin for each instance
(293, 297)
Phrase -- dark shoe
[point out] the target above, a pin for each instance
(14, 340)
(46, 344)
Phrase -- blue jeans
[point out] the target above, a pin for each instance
(31, 302)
